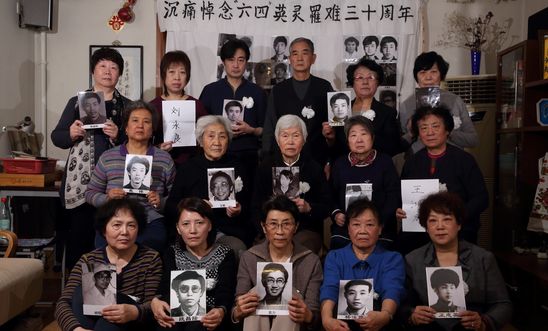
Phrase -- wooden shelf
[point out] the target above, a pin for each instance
(537, 83)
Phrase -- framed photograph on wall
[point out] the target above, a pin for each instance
(543, 46)
(130, 83)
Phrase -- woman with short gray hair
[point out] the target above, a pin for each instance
(213, 134)
(308, 189)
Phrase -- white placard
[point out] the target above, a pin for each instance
(412, 192)
(98, 287)
(188, 295)
(274, 287)
(221, 187)
(137, 173)
(179, 122)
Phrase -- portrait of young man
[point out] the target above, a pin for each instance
(92, 109)
(137, 177)
(444, 283)
(189, 287)
(358, 298)
(275, 279)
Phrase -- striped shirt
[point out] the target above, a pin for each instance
(109, 174)
(140, 278)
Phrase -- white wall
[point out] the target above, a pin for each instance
(16, 67)
(82, 23)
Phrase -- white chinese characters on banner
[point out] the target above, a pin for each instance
(179, 118)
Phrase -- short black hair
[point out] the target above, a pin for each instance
(369, 64)
(107, 211)
(272, 267)
(280, 203)
(444, 276)
(233, 103)
(355, 282)
(438, 111)
(230, 47)
(389, 39)
(447, 203)
(140, 104)
(170, 58)
(186, 275)
(387, 93)
(359, 206)
(359, 120)
(199, 206)
(338, 96)
(370, 39)
(280, 65)
(426, 61)
(352, 39)
(279, 39)
(109, 54)
(138, 159)
(90, 95)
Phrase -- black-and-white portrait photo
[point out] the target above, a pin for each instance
(445, 291)
(137, 174)
(92, 109)
(98, 287)
(221, 187)
(390, 73)
(285, 181)
(351, 48)
(389, 48)
(371, 47)
(233, 110)
(262, 74)
(274, 286)
(188, 295)
(355, 298)
(339, 107)
(389, 97)
(357, 191)
(281, 49)
(427, 97)
(280, 72)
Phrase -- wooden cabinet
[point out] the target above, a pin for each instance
(520, 142)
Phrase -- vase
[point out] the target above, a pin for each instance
(475, 60)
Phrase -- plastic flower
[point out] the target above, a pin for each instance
(308, 112)
(238, 184)
(457, 122)
(443, 187)
(369, 114)
(248, 102)
(303, 187)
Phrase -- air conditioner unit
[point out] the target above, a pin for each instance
(479, 95)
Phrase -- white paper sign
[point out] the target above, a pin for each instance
(179, 122)
(412, 192)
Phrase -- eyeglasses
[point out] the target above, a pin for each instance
(364, 78)
(278, 281)
(284, 225)
(187, 289)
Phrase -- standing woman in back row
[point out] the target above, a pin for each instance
(106, 66)
(175, 75)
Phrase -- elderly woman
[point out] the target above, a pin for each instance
(365, 77)
(213, 134)
(279, 224)
(363, 164)
(175, 75)
(456, 170)
(86, 146)
(363, 259)
(313, 204)
(138, 273)
(108, 176)
(429, 70)
(487, 302)
(195, 248)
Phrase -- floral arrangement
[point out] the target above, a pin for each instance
(477, 34)
(308, 112)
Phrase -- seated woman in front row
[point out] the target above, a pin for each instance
(195, 248)
(279, 224)
(487, 303)
(363, 259)
(138, 273)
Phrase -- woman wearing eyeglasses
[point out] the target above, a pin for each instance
(279, 226)
(195, 248)
(365, 77)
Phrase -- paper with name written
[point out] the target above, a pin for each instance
(412, 192)
(179, 122)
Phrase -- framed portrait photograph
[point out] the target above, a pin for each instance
(357, 191)
(285, 181)
(280, 46)
(221, 187)
(138, 173)
(355, 298)
(98, 287)
(274, 287)
(445, 287)
(543, 46)
(233, 110)
(351, 49)
(92, 109)
(130, 82)
(339, 107)
(187, 298)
